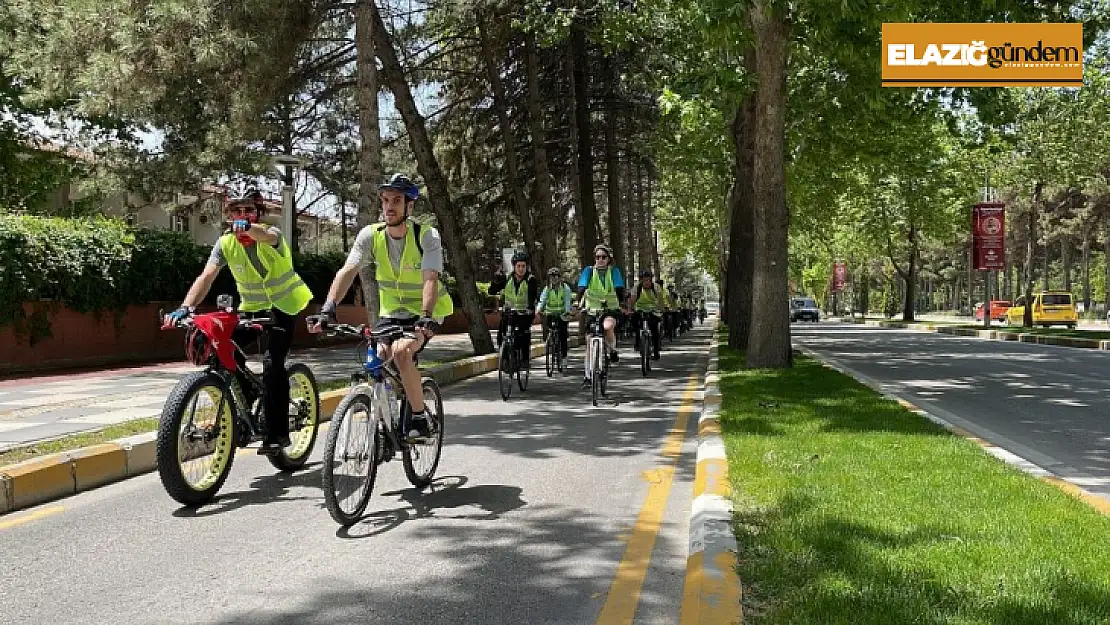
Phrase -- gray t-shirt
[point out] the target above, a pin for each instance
(217, 256)
(362, 254)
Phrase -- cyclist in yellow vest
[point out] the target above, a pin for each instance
(409, 259)
(522, 291)
(647, 301)
(555, 302)
(262, 264)
(601, 287)
(668, 308)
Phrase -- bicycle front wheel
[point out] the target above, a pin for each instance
(645, 353)
(422, 459)
(551, 357)
(350, 459)
(524, 370)
(595, 375)
(505, 370)
(196, 439)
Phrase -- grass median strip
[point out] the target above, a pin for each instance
(851, 509)
(76, 441)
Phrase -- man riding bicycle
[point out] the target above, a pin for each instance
(409, 259)
(602, 283)
(647, 301)
(521, 293)
(262, 265)
(554, 305)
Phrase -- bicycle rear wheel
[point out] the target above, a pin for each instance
(595, 372)
(551, 358)
(505, 370)
(422, 459)
(351, 459)
(524, 371)
(645, 353)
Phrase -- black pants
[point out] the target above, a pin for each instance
(522, 328)
(653, 325)
(556, 322)
(275, 380)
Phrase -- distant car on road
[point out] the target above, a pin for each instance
(1050, 308)
(998, 310)
(804, 309)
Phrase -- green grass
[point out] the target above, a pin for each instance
(852, 510)
(76, 441)
(1094, 335)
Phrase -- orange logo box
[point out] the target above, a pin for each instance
(983, 55)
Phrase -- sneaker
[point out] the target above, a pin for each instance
(614, 356)
(586, 383)
(655, 356)
(273, 447)
(419, 426)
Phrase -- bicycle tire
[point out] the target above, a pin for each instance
(168, 448)
(301, 446)
(524, 372)
(504, 371)
(341, 516)
(645, 353)
(435, 415)
(595, 375)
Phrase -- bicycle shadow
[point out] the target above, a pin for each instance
(445, 493)
(264, 489)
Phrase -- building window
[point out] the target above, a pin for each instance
(179, 223)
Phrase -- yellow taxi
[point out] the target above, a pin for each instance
(1050, 308)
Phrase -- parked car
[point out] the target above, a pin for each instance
(998, 310)
(1049, 308)
(804, 309)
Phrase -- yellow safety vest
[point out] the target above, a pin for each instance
(601, 291)
(280, 288)
(648, 301)
(556, 299)
(403, 288)
(516, 296)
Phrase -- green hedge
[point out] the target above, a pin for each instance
(102, 265)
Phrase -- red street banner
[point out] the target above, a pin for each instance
(840, 276)
(988, 227)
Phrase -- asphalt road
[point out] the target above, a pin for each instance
(527, 523)
(1050, 405)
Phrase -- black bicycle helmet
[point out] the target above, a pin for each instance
(646, 273)
(554, 272)
(401, 182)
(520, 257)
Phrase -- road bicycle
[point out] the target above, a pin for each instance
(553, 349)
(646, 343)
(597, 357)
(510, 363)
(208, 414)
(370, 426)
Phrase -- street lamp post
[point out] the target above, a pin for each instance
(286, 165)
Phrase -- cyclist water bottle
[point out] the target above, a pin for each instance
(373, 363)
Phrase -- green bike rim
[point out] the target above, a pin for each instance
(302, 392)
(203, 462)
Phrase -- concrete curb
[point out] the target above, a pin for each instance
(997, 335)
(67, 473)
(712, 592)
(1005, 455)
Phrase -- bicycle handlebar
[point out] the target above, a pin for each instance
(256, 323)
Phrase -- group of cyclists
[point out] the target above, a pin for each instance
(408, 258)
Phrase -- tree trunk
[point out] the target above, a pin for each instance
(508, 143)
(587, 206)
(650, 208)
(1047, 249)
(1065, 261)
(612, 163)
(370, 148)
(545, 208)
(439, 194)
(769, 336)
(741, 202)
(1086, 251)
(1030, 243)
(909, 278)
(644, 225)
(584, 247)
(1106, 252)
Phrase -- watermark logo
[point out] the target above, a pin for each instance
(982, 55)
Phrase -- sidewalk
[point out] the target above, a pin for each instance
(50, 406)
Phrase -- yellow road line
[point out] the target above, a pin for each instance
(27, 518)
(624, 593)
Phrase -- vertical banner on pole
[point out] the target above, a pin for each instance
(988, 226)
(840, 275)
